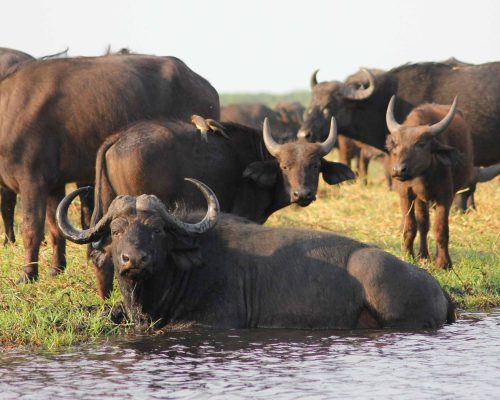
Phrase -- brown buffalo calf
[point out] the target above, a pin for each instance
(431, 159)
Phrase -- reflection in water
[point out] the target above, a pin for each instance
(458, 361)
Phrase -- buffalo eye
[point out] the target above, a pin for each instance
(420, 145)
(116, 232)
(315, 167)
(284, 167)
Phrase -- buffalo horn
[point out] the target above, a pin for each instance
(70, 232)
(328, 144)
(391, 122)
(207, 223)
(272, 147)
(441, 126)
(360, 94)
(314, 79)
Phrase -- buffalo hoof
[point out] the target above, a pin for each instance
(54, 271)
(27, 278)
(424, 255)
(443, 263)
(9, 240)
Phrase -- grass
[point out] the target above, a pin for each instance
(62, 311)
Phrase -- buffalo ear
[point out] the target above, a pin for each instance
(334, 172)
(265, 173)
(446, 155)
(186, 253)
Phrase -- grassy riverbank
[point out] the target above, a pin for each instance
(65, 310)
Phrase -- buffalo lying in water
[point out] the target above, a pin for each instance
(236, 274)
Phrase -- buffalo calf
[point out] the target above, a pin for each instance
(431, 158)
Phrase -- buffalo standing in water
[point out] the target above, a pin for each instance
(236, 274)
(54, 114)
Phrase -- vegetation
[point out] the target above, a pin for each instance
(65, 310)
(269, 99)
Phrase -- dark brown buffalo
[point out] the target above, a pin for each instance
(292, 113)
(236, 274)
(54, 114)
(254, 114)
(252, 175)
(350, 149)
(431, 158)
(10, 60)
(360, 109)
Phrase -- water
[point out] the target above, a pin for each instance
(460, 361)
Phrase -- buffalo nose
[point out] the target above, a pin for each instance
(304, 194)
(135, 259)
(400, 169)
(304, 135)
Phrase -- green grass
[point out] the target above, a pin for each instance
(65, 310)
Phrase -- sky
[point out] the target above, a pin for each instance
(261, 45)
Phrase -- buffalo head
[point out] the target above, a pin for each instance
(300, 163)
(333, 98)
(413, 144)
(143, 233)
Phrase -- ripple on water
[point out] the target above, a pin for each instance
(457, 361)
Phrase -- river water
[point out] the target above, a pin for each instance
(459, 361)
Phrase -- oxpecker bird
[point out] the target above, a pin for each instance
(205, 125)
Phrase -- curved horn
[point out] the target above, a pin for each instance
(328, 144)
(314, 79)
(69, 231)
(360, 94)
(439, 127)
(391, 122)
(210, 219)
(272, 147)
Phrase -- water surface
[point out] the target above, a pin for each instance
(459, 361)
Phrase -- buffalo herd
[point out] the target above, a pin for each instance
(149, 132)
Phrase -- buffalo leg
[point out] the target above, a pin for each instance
(422, 216)
(387, 171)
(87, 206)
(409, 223)
(58, 243)
(363, 163)
(34, 202)
(441, 228)
(8, 205)
(103, 270)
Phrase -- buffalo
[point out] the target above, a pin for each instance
(360, 110)
(54, 114)
(253, 114)
(252, 175)
(359, 104)
(10, 60)
(227, 272)
(431, 159)
(292, 113)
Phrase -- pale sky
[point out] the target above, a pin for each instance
(261, 45)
